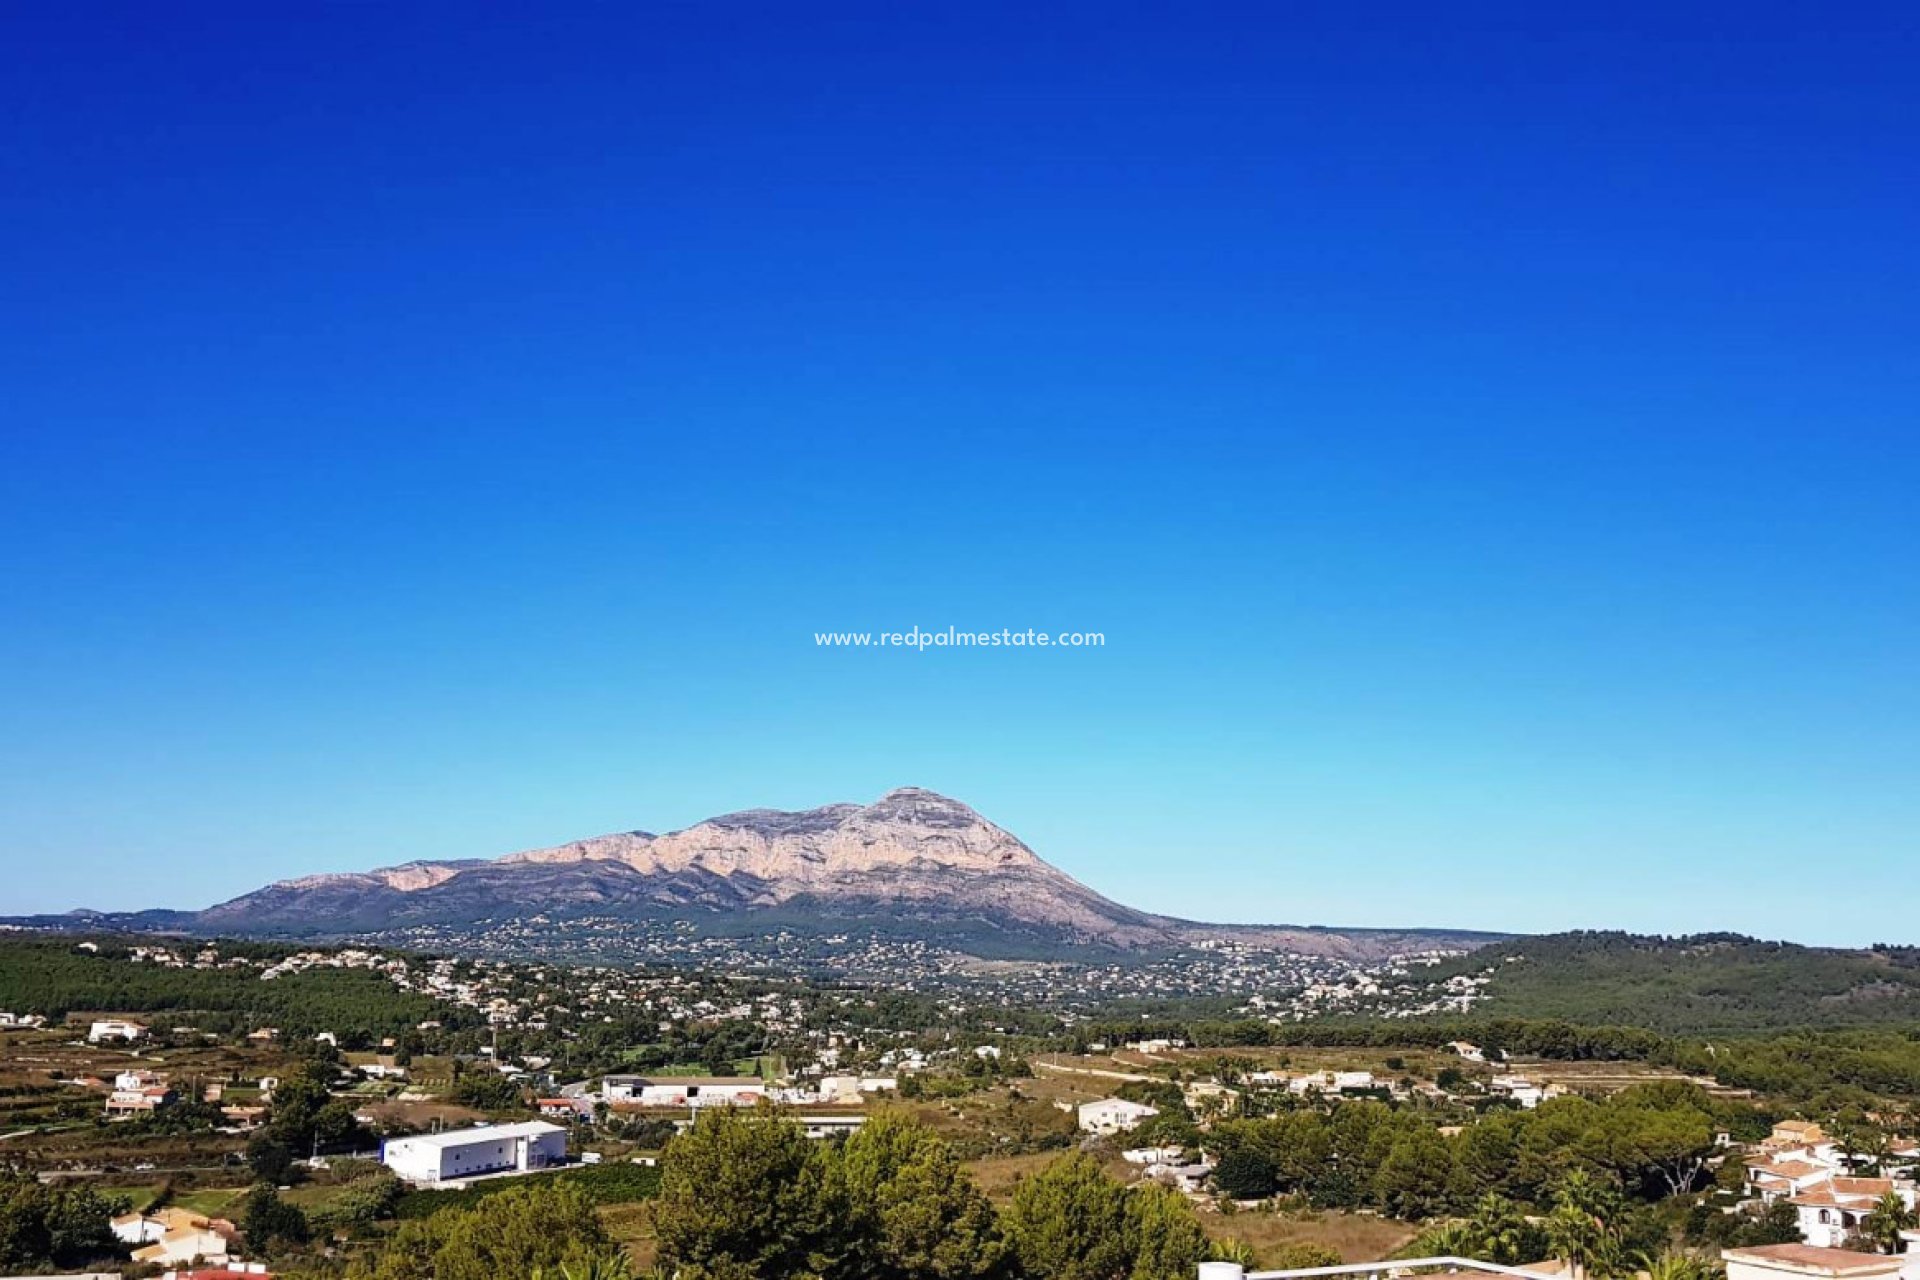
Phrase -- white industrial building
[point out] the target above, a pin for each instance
(471, 1153)
(684, 1091)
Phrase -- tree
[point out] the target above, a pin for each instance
(1678, 1266)
(1068, 1222)
(912, 1209)
(1163, 1235)
(534, 1226)
(1778, 1223)
(1414, 1179)
(1245, 1172)
(268, 1220)
(1298, 1255)
(1234, 1249)
(1584, 1225)
(747, 1191)
(1884, 1223)
(1499, 1233)
(269, 1157)
(65, 1226)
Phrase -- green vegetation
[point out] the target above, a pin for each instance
(1647, 1143)
(528, 1227)
(1703, 985)
(59, 1227)
(749, 1196)
(48, 975)
(613, 1183)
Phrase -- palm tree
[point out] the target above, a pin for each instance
(1889, 1217)
(1233, 1249)
(1679, 1266)
(1446, 1240)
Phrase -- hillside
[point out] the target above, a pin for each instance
(1704, 984)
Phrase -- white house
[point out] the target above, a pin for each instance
(1833, 1210)
(844, 1090)
(1189, 1178)
(1153, 1155)
(1332, 1082)
(115, 1029)
(830, 1126)
(1519, 1089)
(1113, 1115)
(1785, 1176)
(483, 1149)
(173, 1236)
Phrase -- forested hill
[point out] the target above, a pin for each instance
(1704, 984)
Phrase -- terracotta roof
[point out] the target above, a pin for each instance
(1875, 1187)
(1811, 1258)
(1788, 1168)
(1824, 1198)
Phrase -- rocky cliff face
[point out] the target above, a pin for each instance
(815, 849)
(912, 855)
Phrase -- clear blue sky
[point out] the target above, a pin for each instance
(1490, 445)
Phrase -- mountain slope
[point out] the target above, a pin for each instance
(1704, 984)
(912, 861)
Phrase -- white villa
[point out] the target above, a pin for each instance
(115, 1029)
(1113, 1115)
(1834, 1210)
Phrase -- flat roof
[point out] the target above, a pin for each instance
(1815, 1260)
(480, 1133)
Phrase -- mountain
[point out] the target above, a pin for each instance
(912, 861)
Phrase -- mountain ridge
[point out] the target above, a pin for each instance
(912, 859)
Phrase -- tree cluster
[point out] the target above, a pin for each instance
(748, 1195)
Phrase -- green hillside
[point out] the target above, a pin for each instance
(1704, 984)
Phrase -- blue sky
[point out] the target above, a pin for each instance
(1489, 443)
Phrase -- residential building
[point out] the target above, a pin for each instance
(123, 1104)
(1831, 1212)
(1113, 1115)
(1153, 1155)
(1190, 1178)
(175, 1237)
(1785, 1176)
(115, 1029)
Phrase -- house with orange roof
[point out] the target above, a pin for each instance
(1832, 1212)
